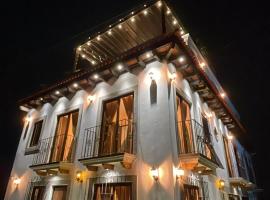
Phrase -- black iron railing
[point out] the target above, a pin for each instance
(108, 139)
(193, 138)
(54, 149)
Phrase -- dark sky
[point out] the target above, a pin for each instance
(37, 48)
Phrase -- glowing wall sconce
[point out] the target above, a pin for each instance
(179, 172)
(79, 176)
(17, 181)
(91, 98)
(173, 76)
(151, 75)
(155, 173)
(221, 184)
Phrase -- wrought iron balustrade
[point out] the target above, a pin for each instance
(108, 139)
(193, 139)
(54, 149)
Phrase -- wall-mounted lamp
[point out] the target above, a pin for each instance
(17, 181)
(91, 98)
(151, 75)
(155, 173)
(221, 184)
(179, 172)
(79, 176)
(173, 76)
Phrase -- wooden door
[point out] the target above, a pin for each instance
(191, 192)
(59, 193)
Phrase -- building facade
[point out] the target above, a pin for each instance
(142, 117)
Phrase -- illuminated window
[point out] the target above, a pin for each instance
(113, 191)
(117, 129)
(36, 133)
(228, 156)
(185, 136)
(64, 136)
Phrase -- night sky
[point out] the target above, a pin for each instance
(37, 49)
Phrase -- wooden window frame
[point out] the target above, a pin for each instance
(228, 157)
(34, 132)
(55, 132)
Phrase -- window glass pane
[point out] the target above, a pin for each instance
(64, 137)
(185, 136)
(113, 192)
(59, 193)
(36, 133)
(117, 129)
(228, 156)
(38, 193)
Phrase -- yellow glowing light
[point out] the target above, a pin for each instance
(110, 32)
(93, 62)
(222, 94)
(202, 65)
(83, 55)
(221, 184)
(57, 92)
(17, 181)
(41, 99)
(230, 137)
(79, 48)
(148, 55)
(159, 4)
(91, 98)
(28, 119)
(181, 59)
(182, 32)
(88, 43)
(155, 173)
(96, 76)
(132, 12)
(175, 22)
(144, 5)
(145, 12)
(168, 12)
(98, 38)
(79, 176)
(179, 172)
(75, 85)
(133, 19)
(119, 67)
(120, 26)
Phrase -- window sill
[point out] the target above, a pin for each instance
(31, 150)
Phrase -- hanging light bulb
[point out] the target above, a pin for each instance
(168, 12)
(133, 19)
(83, 55)
(159, 4)
(120, 26)
(110, 32)
(145, 12)
(88, 43)
(79, 48)
(175, 22)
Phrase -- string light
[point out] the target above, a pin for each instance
(110, 32)
(98, 38)
(202, 65)
(174, 22)
(159, 4)
(88, 43)
(93, 62)
(75, 85)
(132, 12)
(57, 92)
(96, 76)
(181, 59)
(144, 5)
(120, 26)
(148, 55)
(182, 32)
(119, 67)
(133, 19)
(41, 99)
(145, 12)
(83, 56)
(168, 12)
(222, 94)
(79, 48)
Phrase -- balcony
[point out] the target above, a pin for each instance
(54, 155)
(108, 144)
(243, 180)
(196, 151)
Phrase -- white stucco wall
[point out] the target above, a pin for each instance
(156, 144)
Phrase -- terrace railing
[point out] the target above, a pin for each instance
(108, 139)
(193, 139)
(54, 149)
